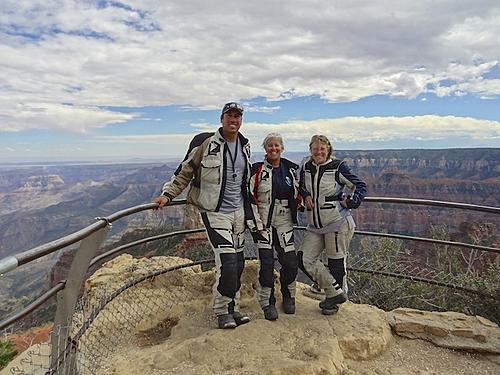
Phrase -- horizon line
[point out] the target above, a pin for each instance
(166, 158)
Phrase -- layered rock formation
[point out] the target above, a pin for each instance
(36, 184)
(471, 164)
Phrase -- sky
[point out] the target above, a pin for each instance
(111, 80)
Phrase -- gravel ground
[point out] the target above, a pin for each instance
(418, 357)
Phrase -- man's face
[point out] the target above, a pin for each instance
(231, 121)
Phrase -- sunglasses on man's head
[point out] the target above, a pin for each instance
(233, 105)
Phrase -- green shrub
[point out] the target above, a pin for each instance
(7, 353)
(471, 269)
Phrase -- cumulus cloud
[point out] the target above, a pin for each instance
(95, 54)
(346, 130)
(165, 144)
(352, 130)
(166, 139)
(55, 116)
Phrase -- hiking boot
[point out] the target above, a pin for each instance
(331, 311)
(240, 318)
(226, 321)
(329, 302)
(289, 305)
(270, 312)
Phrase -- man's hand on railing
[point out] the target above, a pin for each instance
(162, 201)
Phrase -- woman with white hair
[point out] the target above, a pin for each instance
(273, 196)
(330, 190)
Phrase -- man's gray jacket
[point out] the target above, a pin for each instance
(204, 166)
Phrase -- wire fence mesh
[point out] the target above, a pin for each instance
(139, 312)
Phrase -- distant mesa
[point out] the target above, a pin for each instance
(42, 183)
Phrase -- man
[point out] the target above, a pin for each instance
(218, 167)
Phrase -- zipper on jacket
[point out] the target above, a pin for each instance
(314, 198)
(292, 203)
(224, 176)
(316, 203)
(245, 184)
(271, 205)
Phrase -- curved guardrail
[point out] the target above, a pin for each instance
(92, 236)
(9, 263)
(33, 305)
(428, 202)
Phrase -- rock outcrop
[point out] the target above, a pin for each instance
(447, 329)
(42, 183)
(184, 339)
(306, 343)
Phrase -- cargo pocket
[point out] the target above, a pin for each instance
(211, 171)
(210, 183)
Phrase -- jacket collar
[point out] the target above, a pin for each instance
(320, 165)
(221, 139)
(288, 163)
(267, 164)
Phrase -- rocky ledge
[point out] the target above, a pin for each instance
(359, 339)
(181, 336)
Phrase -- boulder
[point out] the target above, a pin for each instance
(447, 329)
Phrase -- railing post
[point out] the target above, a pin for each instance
(67, 298)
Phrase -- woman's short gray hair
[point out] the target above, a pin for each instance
(273, 136)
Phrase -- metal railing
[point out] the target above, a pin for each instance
(92, 236)
(12, 262)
